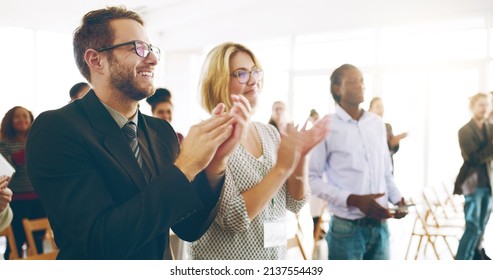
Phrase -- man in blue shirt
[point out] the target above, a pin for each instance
(355, 161)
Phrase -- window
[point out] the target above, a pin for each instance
(434, 47)
(17, 71)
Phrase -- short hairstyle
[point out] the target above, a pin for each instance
(313, 112)
(7, 130)
(278, 102)
(373, 100)
(95, 32)
(216, 76)
(74, 91)
(473, 99)
(161, 95)
(336, 79)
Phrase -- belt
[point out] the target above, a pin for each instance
(363, 222)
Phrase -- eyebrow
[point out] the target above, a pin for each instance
(246, 69)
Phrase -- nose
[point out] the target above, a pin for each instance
(152, 58)
(252, 78)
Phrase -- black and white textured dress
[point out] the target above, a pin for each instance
(233, 235)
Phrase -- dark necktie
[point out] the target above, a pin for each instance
(130, 130)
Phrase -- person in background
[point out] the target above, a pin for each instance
(113, 180)
(473, 180)
(316, 204)
(265, 174)
(25, 202)
(162, 107)
(376, 106)
(278, 116)
(352, 171)
(314, 116)
(79, 90)
(5, 199)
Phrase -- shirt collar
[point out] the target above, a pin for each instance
(120, 119)
(345, 117)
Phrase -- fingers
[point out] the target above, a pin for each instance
(378, 212)
(6, 194)
(376, 195)
(216, 133)
(241, 109)
(4, 181)
(213, 122)
(242, 99)
(218, 109)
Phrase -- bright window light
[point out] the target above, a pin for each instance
(17, 71)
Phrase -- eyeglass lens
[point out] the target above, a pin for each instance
(244, 76)
(142, 49)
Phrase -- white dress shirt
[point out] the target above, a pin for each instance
(353, 159)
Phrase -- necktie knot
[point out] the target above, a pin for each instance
(130, 130)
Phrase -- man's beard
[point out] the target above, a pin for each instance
(122, 78)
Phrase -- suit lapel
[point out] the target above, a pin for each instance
(476, 130)
(156, 147)
(114, 139)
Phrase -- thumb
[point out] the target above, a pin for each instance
(376, 195)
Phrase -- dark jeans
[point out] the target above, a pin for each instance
(477, 208)
(31, 209)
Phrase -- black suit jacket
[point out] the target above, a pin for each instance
(98, 202)
(475, 151)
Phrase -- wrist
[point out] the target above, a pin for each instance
(352, 200)
(281, 171)
(188, 170)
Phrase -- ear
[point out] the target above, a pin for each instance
(94, 60)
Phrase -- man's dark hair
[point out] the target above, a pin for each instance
(161, 95)
(95, 32)
(336, 79)
(74, 91)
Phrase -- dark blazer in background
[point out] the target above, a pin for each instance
(98, 202)
(474, 155)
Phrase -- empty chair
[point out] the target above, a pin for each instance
(35, 225)
(9, 234)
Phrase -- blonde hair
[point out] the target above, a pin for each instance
(215, 77)
(473, 99)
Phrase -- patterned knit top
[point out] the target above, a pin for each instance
(233, 235)
(14, 152)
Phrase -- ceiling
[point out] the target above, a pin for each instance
(186, 24)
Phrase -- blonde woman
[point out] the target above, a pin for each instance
(266, 172)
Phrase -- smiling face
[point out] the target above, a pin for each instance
(21, 121)
(164, 111)
(241, 61)
(129, 73)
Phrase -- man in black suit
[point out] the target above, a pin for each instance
(110, 194)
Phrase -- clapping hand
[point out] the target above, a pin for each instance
(5, 193)
(314, 135)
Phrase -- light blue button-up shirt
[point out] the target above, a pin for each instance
(354, 158)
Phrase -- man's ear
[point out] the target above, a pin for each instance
(94, 60)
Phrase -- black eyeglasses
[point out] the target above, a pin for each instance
(142, 49)
(243, 76)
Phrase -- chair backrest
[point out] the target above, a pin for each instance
(46, 256)
(34, 225)
(9, 234)
(295, 241)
